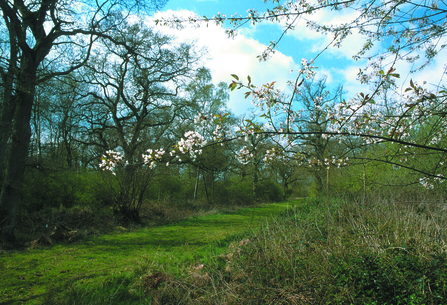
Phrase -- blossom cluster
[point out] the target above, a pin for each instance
(191, 144)
(110, 160)
(244, 155)
(274, 154)
(266, 97)
(327, 162)
(307, 69)
(429, 183)
(152, 156)
(203, 119)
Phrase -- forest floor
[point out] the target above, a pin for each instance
(36, 275)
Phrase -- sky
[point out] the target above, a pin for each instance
(238, 55)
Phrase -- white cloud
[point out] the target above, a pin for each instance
(318, 41)
(236, 55)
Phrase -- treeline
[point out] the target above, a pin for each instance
(144, 93)
(131, 100)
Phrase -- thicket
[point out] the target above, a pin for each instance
(382, 250)
(87, 200)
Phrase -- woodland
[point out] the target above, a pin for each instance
(108, 124)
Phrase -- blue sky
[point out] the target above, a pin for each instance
(226, 56)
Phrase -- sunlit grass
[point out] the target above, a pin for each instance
(95, 268)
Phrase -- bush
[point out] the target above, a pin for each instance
(50, 198)
(45, 189)
(239, 192)
(346, 252)
(269, 191)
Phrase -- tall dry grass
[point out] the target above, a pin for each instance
(374, 250)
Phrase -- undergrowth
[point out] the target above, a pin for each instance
(325, 252)
(321, 251)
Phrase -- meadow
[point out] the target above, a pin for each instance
(337, 250)
(104, 268)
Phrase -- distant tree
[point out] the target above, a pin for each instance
(409, 32)
(253, 153)
(315, 99)
(208, 103)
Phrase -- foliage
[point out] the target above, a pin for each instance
(42, 41)
(269, 191)
(385, 114)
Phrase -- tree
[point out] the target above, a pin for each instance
(411, 30)
(208, 104)
(44, 39)
(253, 153)
(315, 100)
(138, 86)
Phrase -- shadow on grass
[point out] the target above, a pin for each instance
(31, 275)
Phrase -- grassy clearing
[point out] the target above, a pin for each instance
(103, 269)
(321, 251)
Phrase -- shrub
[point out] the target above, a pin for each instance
(269, 191)
(46, 189)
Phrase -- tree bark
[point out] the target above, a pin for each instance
(255, 181)
(18, 149)
(8, 106)
(196, 186)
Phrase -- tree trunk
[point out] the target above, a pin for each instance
(5, 132)
(212, 185)
(319, 180)
(255, 182)
(197, 184)
(8, 106)
(18, 150)
(206, 189)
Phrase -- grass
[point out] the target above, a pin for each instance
(319, 251)
(330, 252)
(102, 269)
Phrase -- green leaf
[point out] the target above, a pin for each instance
(249, 79)
(235, 76)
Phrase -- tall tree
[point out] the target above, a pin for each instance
(44, 39)
(139, 87)
(315, 100)
(209, 102)
(408, 32)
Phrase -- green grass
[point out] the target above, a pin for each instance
(332, 252)
(319, 251)
(102, 269)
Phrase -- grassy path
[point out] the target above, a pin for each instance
(31, 275)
